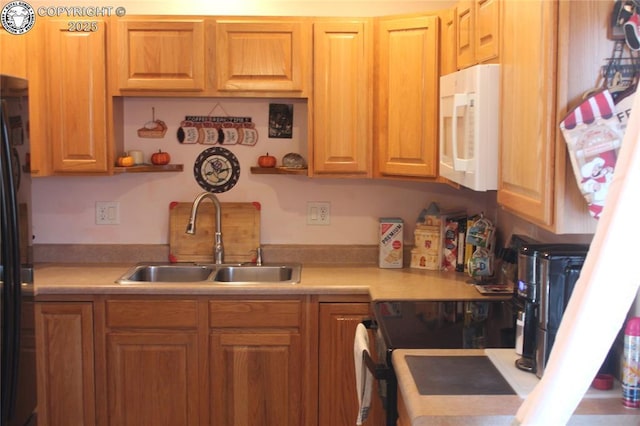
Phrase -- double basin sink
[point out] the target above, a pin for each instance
(213, 273)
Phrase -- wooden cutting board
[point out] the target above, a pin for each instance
(240, 232)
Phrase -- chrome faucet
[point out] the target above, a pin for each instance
(218, 248)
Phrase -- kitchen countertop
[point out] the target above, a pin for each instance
(380, 284)
(493, 410)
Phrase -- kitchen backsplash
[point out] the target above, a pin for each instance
(64, 207)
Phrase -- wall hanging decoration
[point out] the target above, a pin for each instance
(593, 137)
(217, 130)
(216, 169)
(209, 130)
(155, 129)
(281, 121)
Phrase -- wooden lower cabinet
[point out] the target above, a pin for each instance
(337, 399)
(153, 378)
(169, 360)
(65, 363)
(256, 378)
(257, 365)
(151, 368)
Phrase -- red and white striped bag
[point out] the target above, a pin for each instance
(593, 133)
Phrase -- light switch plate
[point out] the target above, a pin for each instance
(107, 213)
(318, 213)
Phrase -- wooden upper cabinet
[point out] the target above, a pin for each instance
(13, 54)
(407, 96)
(448, 63)
(262, 55)
(161, 54)
(527, 99)
(540, 84)
(478, 29)
(465, 40)
(77, 97)
(342, 85)
(487, 30)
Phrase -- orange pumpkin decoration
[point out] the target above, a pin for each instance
(125, 161)
(160, 158)
(267, 160)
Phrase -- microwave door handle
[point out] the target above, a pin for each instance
(459, 100)
(441, 136)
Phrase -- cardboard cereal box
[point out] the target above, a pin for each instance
(391, 243)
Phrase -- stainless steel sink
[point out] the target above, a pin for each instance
(212, 273)
(259, 274)
(166, 273)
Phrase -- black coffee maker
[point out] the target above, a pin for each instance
(547, 274)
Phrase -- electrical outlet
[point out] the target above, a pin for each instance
(107, 213)
(318, 213)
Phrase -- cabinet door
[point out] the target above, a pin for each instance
(153, 378)
(160, 54)
(407, 115)
(65, 363)
(448, 62)
(465, 25)
(262, 56)
(256, 378)
(342, 73)
(26, 398)
(338, 402)
(526, 178)
(487, 30)
(77, 101)
(13, 57)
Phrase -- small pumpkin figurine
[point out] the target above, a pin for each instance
(125, 160)
(267, 161)
(160, 158)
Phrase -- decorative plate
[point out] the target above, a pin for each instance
(216, 169)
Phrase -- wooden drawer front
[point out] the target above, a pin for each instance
(254, 313)
(152, 314)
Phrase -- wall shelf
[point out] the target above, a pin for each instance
(149, 168)
(278, 171)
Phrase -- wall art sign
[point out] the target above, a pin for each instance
(281, 121)
(208, 130)
(154, 129)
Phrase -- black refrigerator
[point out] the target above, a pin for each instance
(18, 370)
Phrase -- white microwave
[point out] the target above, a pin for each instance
(469, 127)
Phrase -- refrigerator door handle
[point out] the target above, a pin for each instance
(11, 275)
